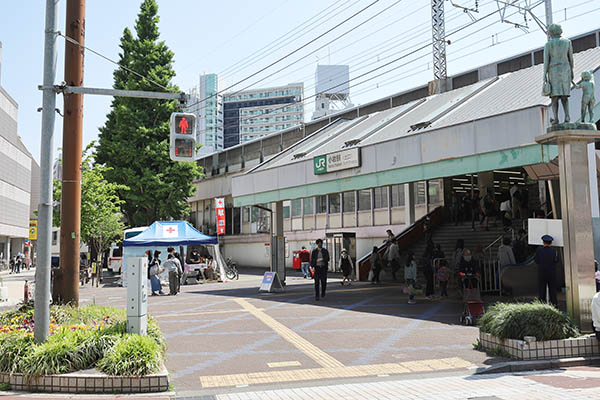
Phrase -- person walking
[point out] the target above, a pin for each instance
(376, 265)
(319, 261)
(458, 253)
(410, 276)
(346, 265)
(546, 258)
(305, 262)
(392, 256)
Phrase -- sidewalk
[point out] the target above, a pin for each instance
(579, 383)
(15, 284)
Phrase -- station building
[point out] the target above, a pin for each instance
(350, 176)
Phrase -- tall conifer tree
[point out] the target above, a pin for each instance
(134, 142)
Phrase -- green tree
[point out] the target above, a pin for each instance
(134, 141)
(101, 218)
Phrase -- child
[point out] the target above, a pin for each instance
(587, 100)
(410, 276)
(443, 275)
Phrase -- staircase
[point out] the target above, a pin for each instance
(447, 234)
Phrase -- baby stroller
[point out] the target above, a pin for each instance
(473, 306)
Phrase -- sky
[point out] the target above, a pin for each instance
(238, 38)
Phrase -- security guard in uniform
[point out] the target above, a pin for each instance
(546, 258)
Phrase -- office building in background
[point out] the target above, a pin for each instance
(206, 103)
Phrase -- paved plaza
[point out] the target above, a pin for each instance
(227, 335)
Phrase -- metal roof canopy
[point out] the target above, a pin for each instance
(491, 124)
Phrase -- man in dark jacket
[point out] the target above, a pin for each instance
(546, 258)
(319, 261)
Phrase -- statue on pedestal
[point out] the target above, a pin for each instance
(558, 71)
(587, 99)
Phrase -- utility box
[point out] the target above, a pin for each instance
(137, 295)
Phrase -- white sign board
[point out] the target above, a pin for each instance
(343, 159)
(170, 230)
(538, 227)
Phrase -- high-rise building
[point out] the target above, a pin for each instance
(16, 164)
(205, 102)
(250, 114)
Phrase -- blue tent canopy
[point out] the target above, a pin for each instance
(170, 233)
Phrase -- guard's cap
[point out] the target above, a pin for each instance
(547, 239)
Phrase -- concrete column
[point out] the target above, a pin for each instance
(426, 197)
(593, 179)
(277, 240)
(577, 221)
(409, 203)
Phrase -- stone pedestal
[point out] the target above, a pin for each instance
(576, 217)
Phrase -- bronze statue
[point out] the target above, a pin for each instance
(587, 99)
(558, 71)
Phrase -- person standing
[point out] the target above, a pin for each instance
(410, 276)
(392, 256)
(520, 246)
(345, 264)
(390, 235)
(172, 265)
(443, 276)
(596, 314)
(154, 272)
(376, 265)
(505, 253)
(305, 262)
(546, 258)
(319, 261)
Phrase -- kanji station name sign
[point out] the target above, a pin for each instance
(337, 161)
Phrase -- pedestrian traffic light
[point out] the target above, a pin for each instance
(182, 144)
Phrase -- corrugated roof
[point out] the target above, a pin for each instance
(514, 91)
(499, 95)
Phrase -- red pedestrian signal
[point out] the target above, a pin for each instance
(183, 137)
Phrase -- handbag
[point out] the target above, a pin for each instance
(154, 270)
(546, 89)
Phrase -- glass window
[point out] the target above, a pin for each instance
(286, 211)
(420, 193)
(296, 208)
(308, 206)
(434, 192)
(380, 197)
(321, 204)
(364, 200)
(334, 203)
(397, 195)
(254, 212)
(349, 201)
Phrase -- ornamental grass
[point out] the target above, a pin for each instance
(80, 338)
(517, 320)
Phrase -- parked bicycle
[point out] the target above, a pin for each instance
(231, 269)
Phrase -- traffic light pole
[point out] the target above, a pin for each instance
(70, 225)
(42, 272)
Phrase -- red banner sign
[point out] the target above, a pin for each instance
(220, 207)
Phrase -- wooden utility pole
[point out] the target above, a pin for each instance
(70, 225)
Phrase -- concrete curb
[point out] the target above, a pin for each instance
(536, 365)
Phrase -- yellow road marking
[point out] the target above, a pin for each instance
(332, 372)
(292, 337)
(284, 364)
(201, 313)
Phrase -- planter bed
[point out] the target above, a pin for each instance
(530, 349)
(89, 381)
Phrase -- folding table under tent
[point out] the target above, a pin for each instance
(163, 234)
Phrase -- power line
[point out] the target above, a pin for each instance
(322, 46)
(75, 42)
(270, 48)
(287, 55)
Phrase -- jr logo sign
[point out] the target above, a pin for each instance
(320, 165)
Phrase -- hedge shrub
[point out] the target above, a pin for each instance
(517, 320)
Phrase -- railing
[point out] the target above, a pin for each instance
(405, 239)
